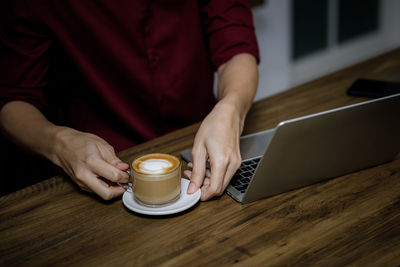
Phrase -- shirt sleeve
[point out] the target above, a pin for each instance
(229, 28)
(23, 58)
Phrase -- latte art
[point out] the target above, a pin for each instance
(155, 166)
(155, 163)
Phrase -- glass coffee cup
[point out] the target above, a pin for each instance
(156, 179)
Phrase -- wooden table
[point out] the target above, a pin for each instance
(353, 219)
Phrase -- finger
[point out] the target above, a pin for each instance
(188, 174)
(199, 156)
(206, 182)
(105, 190)
(109, 155)
(218, 170)
(206, 185)
(122, 166)
(104, 169)
(84, 187)
(231, 170)
(208, 172)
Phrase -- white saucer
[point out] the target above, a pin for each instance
(184, 202)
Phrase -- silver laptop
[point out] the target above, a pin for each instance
(306, 150)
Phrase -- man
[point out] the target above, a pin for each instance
(81, 80)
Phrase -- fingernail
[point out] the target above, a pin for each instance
(192, 188)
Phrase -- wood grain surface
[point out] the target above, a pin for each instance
(349, 220)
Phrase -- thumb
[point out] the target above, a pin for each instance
(116, 162)
(122, 166)
(110, 157)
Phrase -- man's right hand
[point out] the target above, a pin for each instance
(90, 162)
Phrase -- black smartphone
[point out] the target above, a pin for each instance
(373, 88)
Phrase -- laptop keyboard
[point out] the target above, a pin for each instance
(243, 175)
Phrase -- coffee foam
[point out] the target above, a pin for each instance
(155, 166)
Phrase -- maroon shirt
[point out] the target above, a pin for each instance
(127, 71)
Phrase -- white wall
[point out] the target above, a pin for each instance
(272, 22)
(391, 22)
(278, 72)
